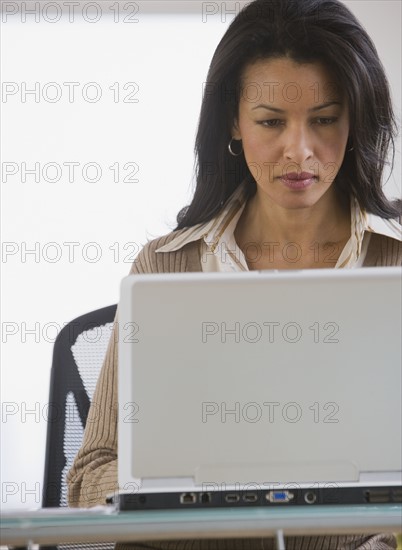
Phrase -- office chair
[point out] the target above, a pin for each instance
(78, 355)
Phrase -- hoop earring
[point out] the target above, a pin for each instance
(231, 150)
(351, 149)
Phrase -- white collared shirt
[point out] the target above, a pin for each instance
(220, 252)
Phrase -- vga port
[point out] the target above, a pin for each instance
(279, 496)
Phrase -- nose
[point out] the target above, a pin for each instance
(297, 144)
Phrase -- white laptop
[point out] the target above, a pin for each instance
(260, 389)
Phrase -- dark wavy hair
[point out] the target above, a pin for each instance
(305, 31)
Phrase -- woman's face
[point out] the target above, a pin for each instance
(294, 127)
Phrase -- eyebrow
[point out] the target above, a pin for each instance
(313, 109)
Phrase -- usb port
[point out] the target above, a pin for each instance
(377, 497)
(188, 498)
(250, 497)
(279, 496)
(232, 497)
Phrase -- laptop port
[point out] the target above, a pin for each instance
(205, 498)
(310, 497)
(232, 497)
(397, 495)
(377, 496)
(279, 496)
(250, 497)
(188, 498)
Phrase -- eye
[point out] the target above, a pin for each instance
(325, 121)
(271, 123)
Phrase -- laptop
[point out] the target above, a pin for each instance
(262, 388)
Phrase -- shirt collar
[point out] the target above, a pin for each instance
(212, 230)
(389, 228)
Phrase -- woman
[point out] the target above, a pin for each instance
(295, 126)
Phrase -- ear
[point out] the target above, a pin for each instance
(235, 130)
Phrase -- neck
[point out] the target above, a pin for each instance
(327, 221)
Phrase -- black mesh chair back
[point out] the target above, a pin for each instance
(78, 355)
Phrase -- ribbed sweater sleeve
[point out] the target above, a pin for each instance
(94, 471)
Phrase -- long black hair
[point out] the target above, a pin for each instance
(305, 31)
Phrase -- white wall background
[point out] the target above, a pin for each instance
(166, 54)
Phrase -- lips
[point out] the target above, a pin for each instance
(293, 180)
(296, 176)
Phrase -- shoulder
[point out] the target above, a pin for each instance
(383, 250)
(151, 260)
(385, 244)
